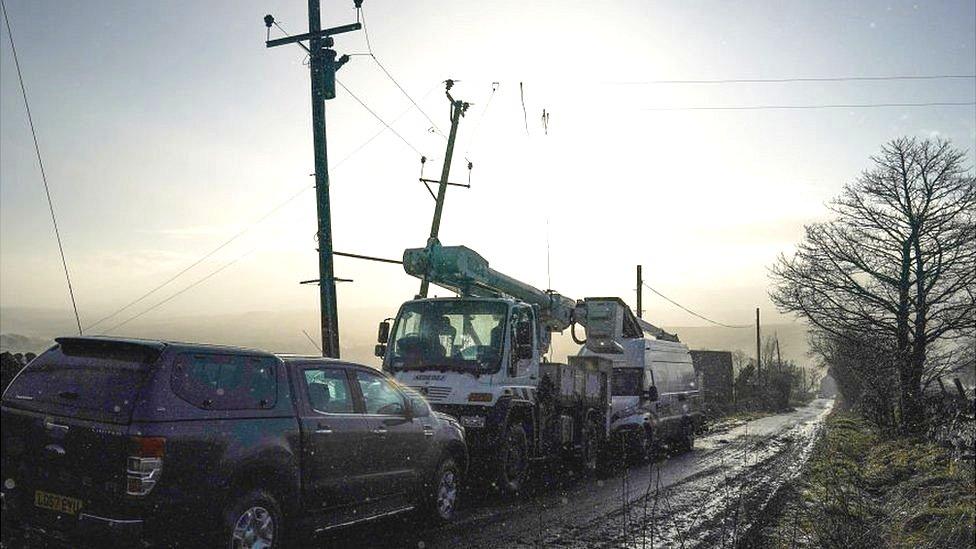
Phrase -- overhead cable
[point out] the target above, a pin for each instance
(803, 79)
(824, 106)
(40, 162)
(372, 54)
(250, 226)
(174, 296)
(689, 311)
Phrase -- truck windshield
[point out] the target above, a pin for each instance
(456, 335)
(627, 381)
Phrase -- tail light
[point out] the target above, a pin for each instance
(144, 464)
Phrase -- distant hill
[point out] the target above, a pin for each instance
(16, 343)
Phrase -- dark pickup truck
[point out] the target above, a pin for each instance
(165, 443)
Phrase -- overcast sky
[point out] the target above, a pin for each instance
(167, 127)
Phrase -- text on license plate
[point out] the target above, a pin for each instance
(54, 502)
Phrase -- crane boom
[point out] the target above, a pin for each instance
(464, 271)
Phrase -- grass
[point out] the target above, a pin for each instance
(864, 490)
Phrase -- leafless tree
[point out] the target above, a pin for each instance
(897, 263)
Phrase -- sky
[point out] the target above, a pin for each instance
(167, 127)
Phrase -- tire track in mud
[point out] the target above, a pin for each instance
(714, 507)
(711, 497)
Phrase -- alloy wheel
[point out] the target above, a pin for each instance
(254, 529)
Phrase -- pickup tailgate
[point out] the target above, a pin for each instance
(65, 430)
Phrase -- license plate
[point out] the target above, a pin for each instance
(55, 502)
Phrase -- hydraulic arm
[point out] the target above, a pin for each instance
(463, 270)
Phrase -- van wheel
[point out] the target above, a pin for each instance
(644, 447)
(442, 497)
(253, 521)
(589, 459)
(688, 437)
(513, 459)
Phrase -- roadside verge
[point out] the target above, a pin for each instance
(860, 489)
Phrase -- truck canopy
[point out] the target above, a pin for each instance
(90, 378)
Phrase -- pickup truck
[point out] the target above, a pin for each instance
(164, 443)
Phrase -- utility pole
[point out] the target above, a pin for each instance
(758, 349)
(458, 109)
(322, 67)
(640, 292)
(779, 357)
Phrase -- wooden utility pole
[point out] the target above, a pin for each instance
(322, 67)
(640, 292)
(458, 109)
(758, 349)
(779, 357)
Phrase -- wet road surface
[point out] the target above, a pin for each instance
(709, 497)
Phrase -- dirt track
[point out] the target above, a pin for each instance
(710, 497)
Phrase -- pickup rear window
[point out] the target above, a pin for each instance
(91, 380)
(225, 382)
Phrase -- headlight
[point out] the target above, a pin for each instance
(473, 421)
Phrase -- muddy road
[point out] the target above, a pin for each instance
(710, 497)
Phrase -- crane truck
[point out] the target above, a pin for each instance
(481, 357)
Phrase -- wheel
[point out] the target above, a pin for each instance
(253, 521)
(687, 443)
(643, 445)
(589, 459)
(513, 459)
(442, 496)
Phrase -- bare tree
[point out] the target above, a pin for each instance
(898, 261)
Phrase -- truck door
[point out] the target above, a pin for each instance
(397, 442)
(334, 466)
(523, 367)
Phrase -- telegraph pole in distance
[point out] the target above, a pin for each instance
(640, 292)
(322, 66)
(758, 349)
(458, 109)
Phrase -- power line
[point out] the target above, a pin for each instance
(376, 116)
(689, 311)
(824, 106)
(174, 296)
(40, 162)
(477, 124)
(250, 226)
(384, 129)
(525, 115)
(803, 79)
(312, 341)
(369, 48)
(206, 256)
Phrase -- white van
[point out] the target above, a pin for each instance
(656, 394)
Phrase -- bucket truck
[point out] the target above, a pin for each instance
(480, 357)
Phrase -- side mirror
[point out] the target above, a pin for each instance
(383, 333)
(651, 393)
(417, 408)
(380, 350)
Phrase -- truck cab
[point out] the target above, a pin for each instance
(479, 359)
(465, 354)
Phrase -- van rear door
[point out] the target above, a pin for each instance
(65, 429)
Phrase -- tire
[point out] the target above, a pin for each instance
(588, 461)
(442, 494)
(252, 520)
(513, 459)
(644, 446)
(687, 443)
